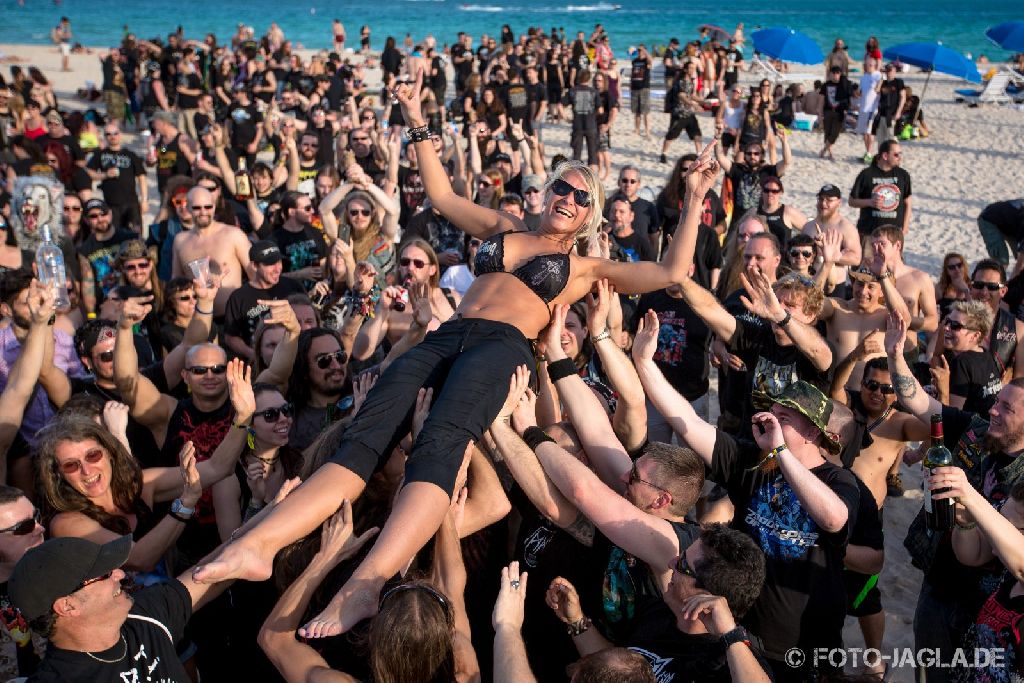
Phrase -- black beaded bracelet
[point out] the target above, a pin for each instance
(561, 369)
(419, 134)
(534, 436)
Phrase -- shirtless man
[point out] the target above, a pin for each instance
(417, 263)
(914, 286)
(828, 218)
(850, 321)
(226, 246)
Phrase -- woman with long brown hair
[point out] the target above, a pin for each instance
(952, 285)
(522, 274)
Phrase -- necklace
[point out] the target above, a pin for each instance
(112, 661)
(560, 242)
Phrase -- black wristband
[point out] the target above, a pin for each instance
(175, 515)
(785, 321)
(534, 436)
(419, 134)
(561, 369)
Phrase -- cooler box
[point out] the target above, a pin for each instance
(804, 121)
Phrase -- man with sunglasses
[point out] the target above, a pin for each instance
(244, 311)
(988, 284)
(796, 505)
(97, 254)
(119, 172)
(645, 214)
(316, 385)
(746, 175)
(882, 191)
(20, 531)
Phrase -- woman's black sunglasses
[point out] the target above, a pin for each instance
(562, 189)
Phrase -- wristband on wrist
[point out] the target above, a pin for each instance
(601, 336)
(534, 436)
(578, 627)
(737, 635)
(561, 369)
(202, 312)
(785, 321)
(966, 527)
(419, 134)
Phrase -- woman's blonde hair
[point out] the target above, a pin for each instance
(594, 187)
(977, 316)
(363, 244)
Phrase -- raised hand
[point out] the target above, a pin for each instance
(703, 173)
(40, 303)
(280, 312)
(552, 334)
(598, 306)
(192, 487)
(895, 334)
(518, 383)
(939, 371)
(256, 477)
(360, 388)
(645, 343)
(134, 310)
(873, 344)
(771, 437)
(407, 95)
(830, 245)
(712, 610)
(419, 297)
(762, 302)
(419, 415)
(563, 599)
(240, 390)
(525, 414)
(510, 607)
(115, 418)
(336, 540)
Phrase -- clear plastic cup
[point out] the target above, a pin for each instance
(201, 270)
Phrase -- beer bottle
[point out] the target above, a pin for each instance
(939, 514)
(243, 183)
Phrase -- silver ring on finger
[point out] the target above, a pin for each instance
(514, 584)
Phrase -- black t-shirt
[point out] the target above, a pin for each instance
(190, 81)
(583, 100)
(100, 256)
(640, 74)
(243, 124)
(517, 102)
(300, 249)
(645, 216)
(1008, 216)
(771, 367)
(746, 186)
(803, 602)
(678, 656)
(242, 314)
(977, 376)
(462, 69)
(893, 187)
(119, 191)
(889, 97)
(636, 247)
(156, 622)
(683, 340)
(836, 95)
(69, 143)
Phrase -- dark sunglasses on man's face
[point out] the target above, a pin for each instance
(273, 414)
(201, 370)
(89, 582)
(24, 527)
(875, 385)
(562, 189)
(406, 262)
(990, 286)
(324, 360)
(628, 181)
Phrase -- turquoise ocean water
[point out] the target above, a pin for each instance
(957, 24)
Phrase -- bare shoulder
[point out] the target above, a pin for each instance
(74, 524)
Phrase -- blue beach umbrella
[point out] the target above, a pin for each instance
(1009, 35)
(936, 57)
(787, 45)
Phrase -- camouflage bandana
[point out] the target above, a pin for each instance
(807, 400)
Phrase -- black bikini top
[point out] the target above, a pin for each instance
(545, 274)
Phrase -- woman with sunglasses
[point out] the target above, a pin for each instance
(801, 255)
(490, 188)
(178, 309)
(952, 285)
(521, 274)
(267, 459)
(368, 224)
(974, 375)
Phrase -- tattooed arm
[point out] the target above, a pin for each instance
(908, 392)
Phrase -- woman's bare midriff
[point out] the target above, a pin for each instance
(505, 298)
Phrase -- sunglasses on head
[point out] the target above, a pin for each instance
(324, 360)
(875, 385)
(24, 527)
(89, 582)
(955, 325)
(406, 262)
(990, 286)
(201, 370)
(804, 253)
(92, 457)
(562, 189)
(273, 414)
(358, 212)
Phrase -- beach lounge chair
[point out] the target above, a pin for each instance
(994, 91)
(777, 76)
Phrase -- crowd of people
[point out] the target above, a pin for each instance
(296, 424)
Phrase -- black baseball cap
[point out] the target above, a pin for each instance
(59, 567)
(830, 190)
(96, 203)
(264, 253)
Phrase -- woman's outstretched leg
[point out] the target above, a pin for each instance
(251, 556)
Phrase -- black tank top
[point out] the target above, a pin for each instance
(776, 223)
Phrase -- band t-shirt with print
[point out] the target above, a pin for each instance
(803, 603)
(156, 622)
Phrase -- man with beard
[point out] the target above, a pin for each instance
(309, 163)
(138, 276)
(747, 175)
(882, 191)
(828, 218)
(172, 152)
(989, 449)
(645, 214)
(988, 285)
(244, 308)
(370, 157)
(417, 265)
(96, 255)
(120, 171)
(316, 384)
(303, 246)
(635, 246)
(798, 507)
(226, 246)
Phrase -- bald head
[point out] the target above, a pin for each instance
(201, 204)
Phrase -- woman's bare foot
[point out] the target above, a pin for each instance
(236, 561)
(357, 600)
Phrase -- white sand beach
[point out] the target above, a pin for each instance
(973, 157)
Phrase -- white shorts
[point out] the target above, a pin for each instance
(864, 122)
(65, 49)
